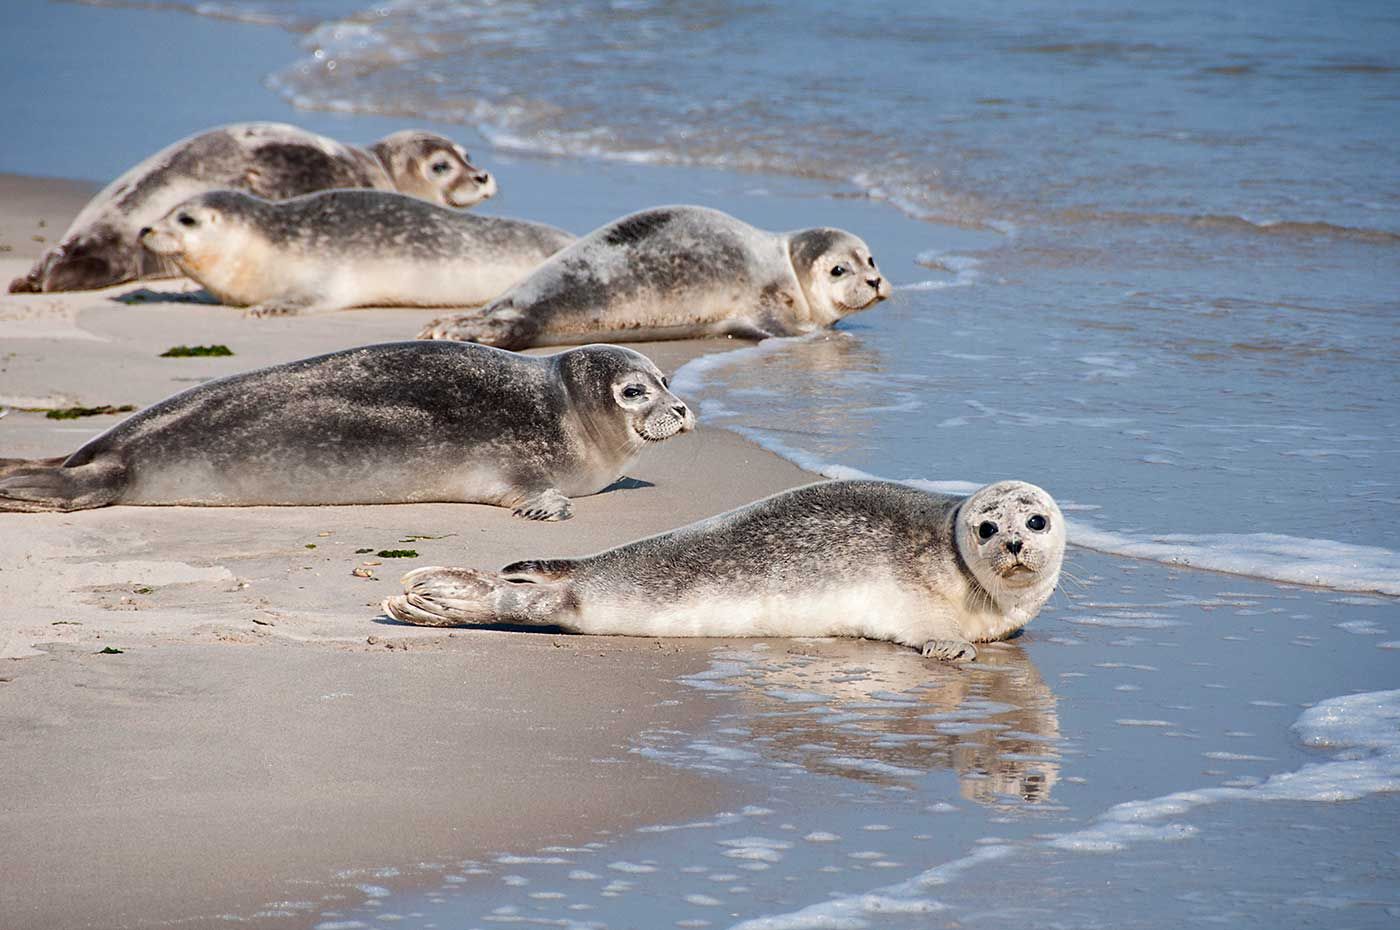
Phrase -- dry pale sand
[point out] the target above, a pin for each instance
(264, 733)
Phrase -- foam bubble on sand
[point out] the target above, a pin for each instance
(873, 767)
(1127, 621)
(756, 848)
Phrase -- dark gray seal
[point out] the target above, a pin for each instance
(843, 558)
(271, 160)
(392, 423)
(679, 272)
(346, 248)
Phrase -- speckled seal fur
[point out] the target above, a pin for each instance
(679, 272)
(271, 160)
(843, 558)
(391, 423)
(346, 248)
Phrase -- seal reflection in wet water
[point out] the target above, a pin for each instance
(346, 248)
(679, 272)
(272, 160)
(393, 423)
(873, 559)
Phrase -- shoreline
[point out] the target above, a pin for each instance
(262, 720)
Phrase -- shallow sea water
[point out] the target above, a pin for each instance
(1146, 258)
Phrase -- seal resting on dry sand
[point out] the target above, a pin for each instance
(392, 423)
(346, 248)
(679, 273)
(843, 558)
(271, 160)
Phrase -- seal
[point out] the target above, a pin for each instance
(391, 423)
(346, 248)
(842, 558)
(271, 160)
(679, 272)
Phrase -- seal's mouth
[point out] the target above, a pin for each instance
(659, 427)
(159, 242)
(1018, 573)
(470, 194)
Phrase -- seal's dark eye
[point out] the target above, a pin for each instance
(986, 530)
(633, 391)
(441, 167)
(1037, 523)
(838, 271)
(870, 261)
(186, 220)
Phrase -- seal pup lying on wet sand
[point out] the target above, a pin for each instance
(679, 273)
(271, 160)
(393, 423)
(346, 248)
(843, 558)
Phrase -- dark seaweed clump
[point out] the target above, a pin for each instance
(195, 351)
(72, 413)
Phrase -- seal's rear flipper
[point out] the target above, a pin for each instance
(12, 465)
(435, 596)
(42, 485)
(498, 324)
(532, 571)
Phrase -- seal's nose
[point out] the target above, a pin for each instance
(482, 178)
(1013, 545)
(145, 230)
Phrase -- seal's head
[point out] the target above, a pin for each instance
(97, 257)
(1011, 535)
(613, 385)
(837, 272)
(433, 168)
(210, 236)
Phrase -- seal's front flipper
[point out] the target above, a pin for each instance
(550, 504)
(42, 486)
(288, 308)
(949, 650)
(744, 329)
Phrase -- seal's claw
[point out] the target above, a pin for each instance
(949, 650)
(546, 505)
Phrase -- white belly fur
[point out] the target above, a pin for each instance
(874, 610)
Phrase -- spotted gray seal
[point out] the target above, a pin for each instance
(842, 558)
(346, 248)
(272, 160)
(390, 423)
(679, 272)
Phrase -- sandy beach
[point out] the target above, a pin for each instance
(264, 735)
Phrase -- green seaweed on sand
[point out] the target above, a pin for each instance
(195, 351)
(109, 651)
(397, 553)
(72, 413)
